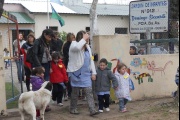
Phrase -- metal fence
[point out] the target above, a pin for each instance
(157, 46)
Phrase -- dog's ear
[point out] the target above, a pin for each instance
(48, 86)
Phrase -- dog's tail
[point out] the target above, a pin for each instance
(23, 98)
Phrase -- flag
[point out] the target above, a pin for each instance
(56, 16)
(57, 1)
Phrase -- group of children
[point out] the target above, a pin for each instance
(58, 77)
(120, 81)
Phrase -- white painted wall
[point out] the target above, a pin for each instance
(7, 35)
(75, 23)
(13, 7)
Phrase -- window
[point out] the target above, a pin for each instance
(121, 30)
(53, 28)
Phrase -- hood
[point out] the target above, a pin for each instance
(118, 74)
(34, 78)
(104, 69)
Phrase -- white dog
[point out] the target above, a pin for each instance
(30, 101)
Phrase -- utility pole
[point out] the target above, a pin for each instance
(148, 37)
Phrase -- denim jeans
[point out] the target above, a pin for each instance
(122, 103)
(47, 71)
(20, 69)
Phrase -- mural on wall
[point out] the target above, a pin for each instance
(144, 63)
(136, 62)
(152, 66)
(118, 61)
(143, 75)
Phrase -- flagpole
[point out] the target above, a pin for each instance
(48, 12)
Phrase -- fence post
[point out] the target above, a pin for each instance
(148, 37)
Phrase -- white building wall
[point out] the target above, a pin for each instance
(75, 23)
(13, 7)
(7, 35)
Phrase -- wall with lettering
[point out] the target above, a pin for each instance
(151, 15)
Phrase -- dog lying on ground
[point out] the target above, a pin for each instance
(30, 101)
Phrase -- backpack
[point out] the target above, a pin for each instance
(29, 55)
(131, 84)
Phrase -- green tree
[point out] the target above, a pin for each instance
(63, 36)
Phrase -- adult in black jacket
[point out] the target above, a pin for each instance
(56, 44)
(70, 38)
(41, 51)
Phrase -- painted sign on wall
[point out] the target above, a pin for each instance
(151, 15)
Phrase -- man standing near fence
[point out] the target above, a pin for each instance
(20, 68)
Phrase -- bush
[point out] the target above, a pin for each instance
(63, 36)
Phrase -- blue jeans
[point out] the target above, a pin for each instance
(122, 103)
(47, 71)
(20, 69)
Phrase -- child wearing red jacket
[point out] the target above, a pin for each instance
(58, 77)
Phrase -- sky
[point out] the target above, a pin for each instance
(111, 1)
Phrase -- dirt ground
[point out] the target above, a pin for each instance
(155, 109)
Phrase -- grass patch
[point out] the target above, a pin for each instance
(9, 95)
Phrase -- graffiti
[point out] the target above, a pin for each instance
(136, 62)
(152, 66)
(118, 61)
(143, 75)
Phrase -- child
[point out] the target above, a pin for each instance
(6, 58)
(133, 50)
(103, 85)
(176, 81)
(58, 77)
(124, 88)
(37, 79)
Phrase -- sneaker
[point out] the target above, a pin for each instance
(65, 98)
(84, 99)
(60, 104)
(107, 109)
(101, 111)
(124, 110)
(48, 109)
(53, 102)
(94, 113)
(38, 118)
(75, 112)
